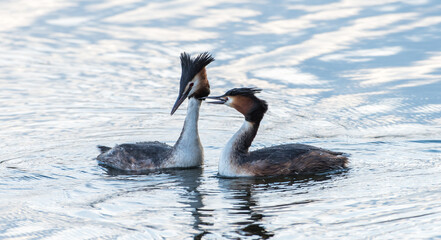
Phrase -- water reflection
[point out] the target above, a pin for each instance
(186, 182)
(419, 73)
(244, 205)
(243, 194)
(361, 77)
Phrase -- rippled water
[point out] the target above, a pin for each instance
(362, 77)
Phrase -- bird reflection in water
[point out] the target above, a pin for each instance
(244, 190)
(188, 180)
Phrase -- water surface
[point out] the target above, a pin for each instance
(362, 77)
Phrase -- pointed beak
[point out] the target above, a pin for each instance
(221, 99)
(180, 100)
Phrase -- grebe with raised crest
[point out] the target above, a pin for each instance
(237, 161)
(187, 151)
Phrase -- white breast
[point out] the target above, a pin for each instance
(228, 165)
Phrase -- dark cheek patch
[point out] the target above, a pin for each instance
(204, 86)
(242, 104)
(202, 92)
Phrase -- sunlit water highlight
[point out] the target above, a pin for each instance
(362, 77)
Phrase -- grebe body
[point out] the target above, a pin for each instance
(187, 151)
(286, 159)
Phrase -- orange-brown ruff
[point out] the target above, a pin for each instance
(188, 151)
(237, 161)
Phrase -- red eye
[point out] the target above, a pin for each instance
(191, 84)
(226, 98)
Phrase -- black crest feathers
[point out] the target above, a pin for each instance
(192, 66)
(243, 92)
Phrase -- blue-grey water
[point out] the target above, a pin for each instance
(362, 77)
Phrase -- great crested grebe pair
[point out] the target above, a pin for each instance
(235, 160)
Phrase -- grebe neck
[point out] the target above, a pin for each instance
(242, 139)
(236, 150)
(189, 133)
(188, 148)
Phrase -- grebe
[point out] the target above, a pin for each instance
(187, 151)
(237, 161)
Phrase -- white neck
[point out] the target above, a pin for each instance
(188, 150)
(228, 165)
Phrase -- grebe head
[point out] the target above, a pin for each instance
(244, 101)
(194, 82)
